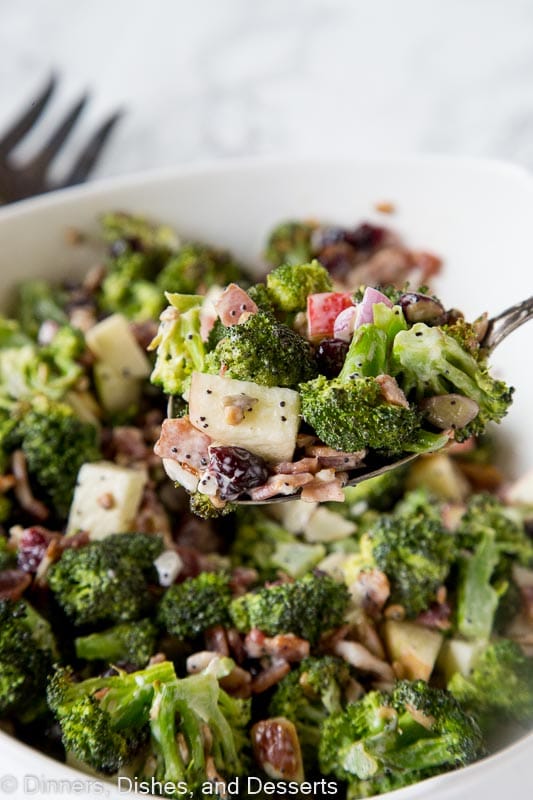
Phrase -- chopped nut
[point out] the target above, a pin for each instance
(106, 500)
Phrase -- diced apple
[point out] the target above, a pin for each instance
(268, 427)
(293, 516)
(115, 390)
(322, 311)
(457, 655)
(439, 474)
(413, 646)
(113, 343)
(106, 499)
(327, 526)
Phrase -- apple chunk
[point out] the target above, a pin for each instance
(267, 425)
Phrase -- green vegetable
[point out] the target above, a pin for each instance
(289, 284)
(390, 740)
(39, 301)
(290, 243)
(190, 608)
(133, 642)
(196, 267)
(106, 581)
(264, 351)
(308, 607)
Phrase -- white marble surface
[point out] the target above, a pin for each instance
(204, 79)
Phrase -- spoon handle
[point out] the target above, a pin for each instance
(505, 323)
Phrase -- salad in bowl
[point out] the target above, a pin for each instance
(354, 641)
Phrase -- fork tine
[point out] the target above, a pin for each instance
(89, 156)
(39, 163)
(26, 121)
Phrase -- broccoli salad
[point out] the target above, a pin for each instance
(162, 639)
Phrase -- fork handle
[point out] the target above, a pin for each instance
(505, 323)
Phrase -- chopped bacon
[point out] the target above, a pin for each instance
(322, 490)
(216, 640)
(391, 391)
(13, 583)
(128, 445)
(182, 442)
(296, 467)
(236, 646)
(371, 590)
(241, 579)
(280, 484)
(286, 646)
(270, 676)
(233, 303)
(428, 264)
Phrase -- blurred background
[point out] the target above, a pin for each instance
(229, 78)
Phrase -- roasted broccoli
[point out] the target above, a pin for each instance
(39, 301)
(107, 580)
(131, 642)
(289, 284)
(412, 548)
(389, 740)
(307, 696)
(431, 362)
(499, 686)
(104, 721)
(307, 607)
(488, 533)
(180, 349)
(264, 351)
(192, 607)
(124, 290)
(264, 545)
(27, 649)
(55, 443)
(196, 267)
(290, 243)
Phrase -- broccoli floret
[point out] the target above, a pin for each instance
(290, 243)
(105, 720)
(264, 351)
(351, 412)
(412, 548)
(37, 302)
(124, 291)
(389, 740)
(500, 686)
(264, 545)
(196, 267)
(131, 642)
(180, 349)
(466, 335)
(307, 607)
(133, 233)
(197, 730)
(307, 696)
(27, 649)
(489, 534)
(261, 297)
(55, 443)
(102, 582)
(432, 362)
(192, 607)
(289, 284)
(201, 506)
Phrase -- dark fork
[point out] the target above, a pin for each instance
(18, 182)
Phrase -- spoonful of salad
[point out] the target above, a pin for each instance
(293, 390)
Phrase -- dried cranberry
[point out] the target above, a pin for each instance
(33, 545)
(365, 236)
(339, 259)
(330, 356)
(236, 470)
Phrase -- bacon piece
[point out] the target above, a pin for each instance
(297, 467)
(436, 616)
(270, 676)
(428, 264)
(322, 490)
(216, 640)
(391, 391)
(233, 303)
(182, 442)
(280, 484)
(284, 646)
(13, 584)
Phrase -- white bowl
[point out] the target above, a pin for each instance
(476, 214)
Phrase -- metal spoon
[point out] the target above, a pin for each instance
(498, 328)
